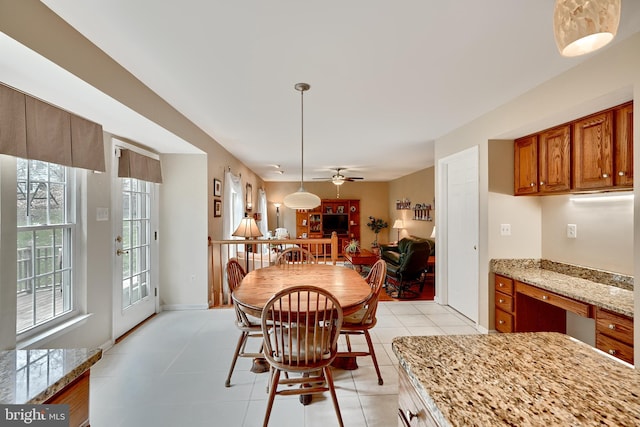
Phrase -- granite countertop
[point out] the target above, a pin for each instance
(516, 379)
(33, 376)
(601, 289)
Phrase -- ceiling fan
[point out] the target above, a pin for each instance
(338, 178)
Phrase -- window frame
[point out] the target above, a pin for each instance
(72, 223)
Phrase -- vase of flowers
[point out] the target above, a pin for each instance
(376, 224)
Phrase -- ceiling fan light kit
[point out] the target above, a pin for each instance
(301, 199)
(583, 26)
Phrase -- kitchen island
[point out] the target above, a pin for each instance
(518, 379)
(51, 376)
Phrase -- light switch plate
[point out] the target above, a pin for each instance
(102, 214)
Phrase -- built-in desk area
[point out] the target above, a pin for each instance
(535, 295)
(54, 376)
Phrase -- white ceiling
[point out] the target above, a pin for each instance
(387, 77)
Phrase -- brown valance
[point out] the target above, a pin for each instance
(33, 129)
(139, 166)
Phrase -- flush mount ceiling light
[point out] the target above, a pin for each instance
(301, 199)
(582, 26)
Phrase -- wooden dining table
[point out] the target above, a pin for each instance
(349, 288)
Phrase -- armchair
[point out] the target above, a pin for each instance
(407, 263)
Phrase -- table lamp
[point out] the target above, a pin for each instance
(247, 228)
(398, 224)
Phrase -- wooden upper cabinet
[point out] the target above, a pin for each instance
(623, 146)
(593, 152)
(554, 162)
(526, 165)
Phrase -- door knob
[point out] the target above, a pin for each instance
(119, 252)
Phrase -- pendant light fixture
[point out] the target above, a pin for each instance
(301, 199)
(582, 26)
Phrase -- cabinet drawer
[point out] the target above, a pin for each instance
(504, 321)
(577, 307)
(504, 302)
(504, 285)
(614, 347)
(411, 408)
(614, 325)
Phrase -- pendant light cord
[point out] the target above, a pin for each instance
(302, 137)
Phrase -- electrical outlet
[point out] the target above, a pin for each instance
(505, 229)
(572, 231)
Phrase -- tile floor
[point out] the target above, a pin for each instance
(171, 372)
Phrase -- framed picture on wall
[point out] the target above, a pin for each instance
(217, 208)
(217, 187)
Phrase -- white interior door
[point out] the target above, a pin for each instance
(135, 252)
(462, 211)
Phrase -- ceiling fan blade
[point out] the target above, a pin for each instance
(352, 178)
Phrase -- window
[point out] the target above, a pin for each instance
(46, 226)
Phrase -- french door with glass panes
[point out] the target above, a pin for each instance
(135, 253)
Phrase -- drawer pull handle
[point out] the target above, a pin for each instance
(605, 175)
(541, 182)
(612, 352)
(612, 326)
(533, 184)
(501, 322)
(500, 285)
(621, 173)
(406, 417)
(501, 301)
(544, 297)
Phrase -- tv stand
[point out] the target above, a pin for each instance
(309, 222)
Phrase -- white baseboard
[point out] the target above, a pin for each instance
(106, 346)
(176, 307)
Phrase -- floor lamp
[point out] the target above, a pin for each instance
(398, 224)
(277, 205)
(247, 229)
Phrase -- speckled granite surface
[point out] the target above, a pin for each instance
(33, 376)
(572, 283)
(518, 379)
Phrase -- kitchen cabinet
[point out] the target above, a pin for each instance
(623, 146)
(526, 165)
(593, 152)
(589, 154)
(554, 162)
(504, 304)
(614, 334)
(522, 307)
(542, 162)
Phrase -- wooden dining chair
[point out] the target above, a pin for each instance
(248, 328)
(300, 328)
(364, 319)
(296, 255)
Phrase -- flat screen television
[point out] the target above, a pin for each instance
(335, 222)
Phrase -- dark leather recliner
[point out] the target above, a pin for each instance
(406, 265)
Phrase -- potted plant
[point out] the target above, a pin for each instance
(376, 224)
(352, 247)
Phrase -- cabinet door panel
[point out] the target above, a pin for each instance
(593, 152)
(623, 146)
(526, 165)
(554, 162)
